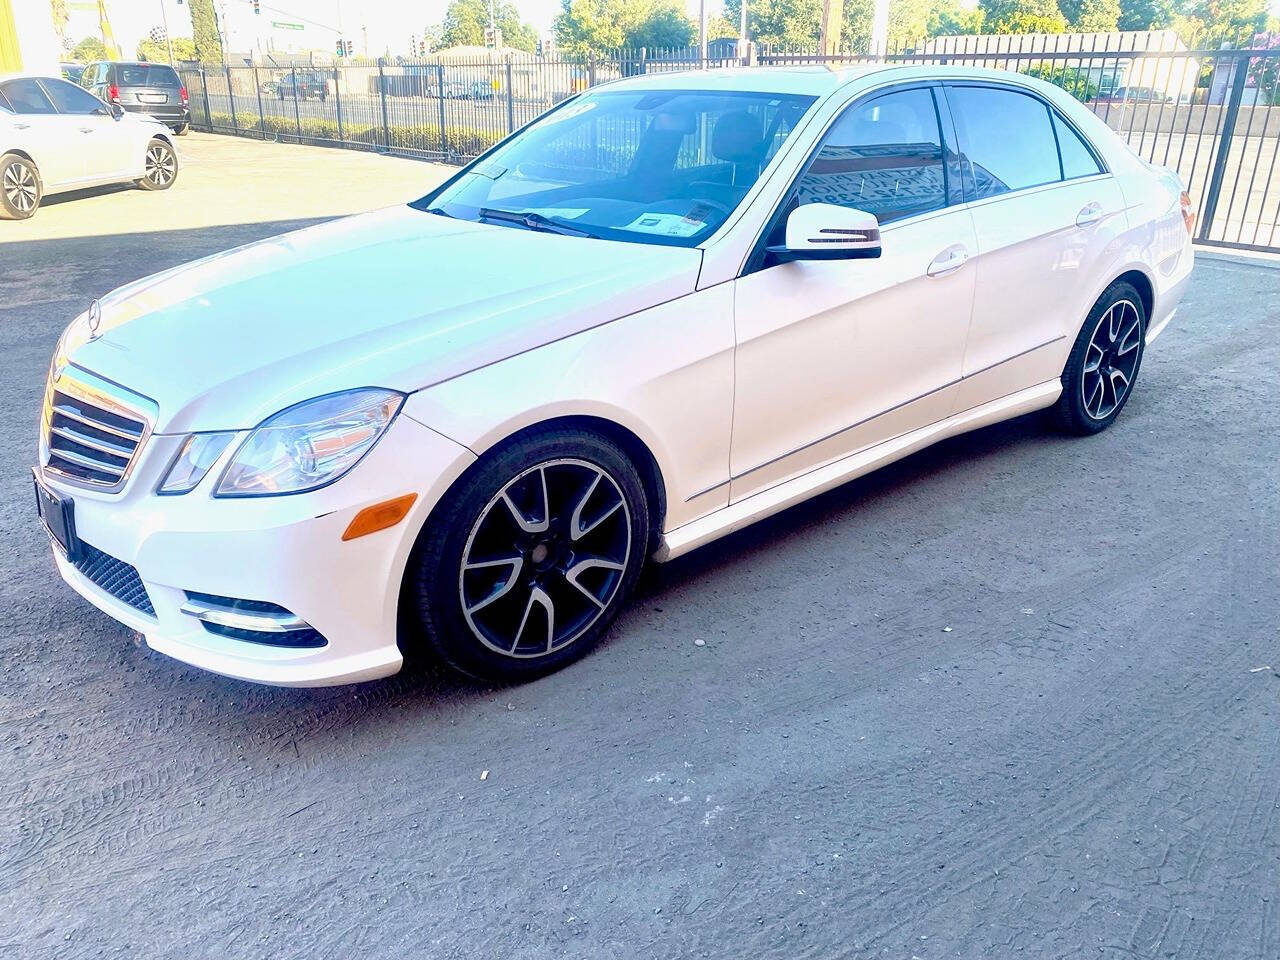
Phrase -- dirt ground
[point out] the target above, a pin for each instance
(1086, 764)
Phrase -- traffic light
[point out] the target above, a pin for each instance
(338, 47)
(257, 9)
(351, 48)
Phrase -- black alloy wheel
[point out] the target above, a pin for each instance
(530, 557)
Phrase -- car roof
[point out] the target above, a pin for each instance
(810, 80)
(5, 77)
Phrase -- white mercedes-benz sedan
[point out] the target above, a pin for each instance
(56, 137)
(667, 308)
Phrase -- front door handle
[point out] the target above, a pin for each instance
(86, 129)
(1089, 213)
(22, 126)
(948, 261)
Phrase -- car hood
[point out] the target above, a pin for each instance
(395, 298)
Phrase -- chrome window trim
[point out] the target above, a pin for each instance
(80, 383)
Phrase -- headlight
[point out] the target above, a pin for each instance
(310, 444)
(198, 453)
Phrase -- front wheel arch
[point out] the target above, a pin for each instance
(436, 530)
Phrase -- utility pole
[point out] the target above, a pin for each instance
(832, 24)
(222, 28)
(164, 20)
(880, 29)
(742, 29)
(702, 33)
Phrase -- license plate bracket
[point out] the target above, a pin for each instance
(57, 514)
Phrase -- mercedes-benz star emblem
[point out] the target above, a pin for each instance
(95, 319)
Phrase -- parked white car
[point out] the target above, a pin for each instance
(669, 307)
(55, 137)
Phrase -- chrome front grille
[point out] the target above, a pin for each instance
(92, 430)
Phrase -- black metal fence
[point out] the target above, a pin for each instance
(1212, 114)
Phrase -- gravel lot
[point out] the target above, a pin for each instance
(1086, 765)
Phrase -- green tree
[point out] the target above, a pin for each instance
(950, 18)
(90, 48)
(1022, 16)
(780, 23)
(1074, 80)
(1148, 14)
(664, 26)
(465, 22)
(204, 24)
(1214, 22)
(157, 51)
(1095, 16)
(594, 26)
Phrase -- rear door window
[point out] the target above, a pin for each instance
(26, 96)
(146, 75)
(1006, 138)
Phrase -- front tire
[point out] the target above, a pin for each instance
(161, 166)
(1103, 365)
(20, 187)
(525, 564)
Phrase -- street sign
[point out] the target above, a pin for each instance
(283, 25)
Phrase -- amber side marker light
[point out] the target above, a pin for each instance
(380, 516)
(1188, 213)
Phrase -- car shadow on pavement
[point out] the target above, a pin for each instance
(86, 193)
(842, 504)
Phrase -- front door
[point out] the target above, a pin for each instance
(50, 138)
(835, 356)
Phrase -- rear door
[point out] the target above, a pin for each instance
(1044, 217)
(52, 139)
(105, 145)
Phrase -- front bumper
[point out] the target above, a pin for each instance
(284, 550)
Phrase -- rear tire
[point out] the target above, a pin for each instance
(20, 188)
(161, 166)
(183, 130)
(527, 561)
(1103, 365)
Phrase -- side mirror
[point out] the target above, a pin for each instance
(117, 111)
(827, 231)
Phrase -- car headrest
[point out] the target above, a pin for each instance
(737, 138)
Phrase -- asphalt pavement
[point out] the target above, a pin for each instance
(1016, 696)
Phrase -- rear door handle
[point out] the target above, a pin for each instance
(948, 261)
(1089, 213)
(22, 126)
(86, 129)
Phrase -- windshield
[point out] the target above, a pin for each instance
(655, 166)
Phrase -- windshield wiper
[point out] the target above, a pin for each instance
(532, 221)
(440, 212)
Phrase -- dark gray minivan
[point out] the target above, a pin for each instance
(140, 87)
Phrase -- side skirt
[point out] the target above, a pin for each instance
(767, 502)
